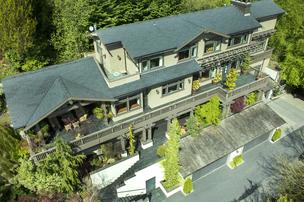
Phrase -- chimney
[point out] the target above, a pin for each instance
(243, 6)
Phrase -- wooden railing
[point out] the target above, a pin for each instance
(157, 114)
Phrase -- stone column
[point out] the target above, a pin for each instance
(226, 110)
(147, 137)
(123, 147)
(105, 120)
(259, 95)
(29, 142)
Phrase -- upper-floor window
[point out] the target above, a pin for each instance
(147, 65)
(212, 46)
(128, 104)
(187, 53)
(237, 40)
(173, 87)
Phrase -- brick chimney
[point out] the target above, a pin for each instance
(243, 6)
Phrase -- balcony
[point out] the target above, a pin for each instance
(245, 85)
(223, 56)
(263, 34)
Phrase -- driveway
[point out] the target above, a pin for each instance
(228, 185)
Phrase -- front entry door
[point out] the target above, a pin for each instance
(150, 185)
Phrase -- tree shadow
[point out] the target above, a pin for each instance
(295, 141)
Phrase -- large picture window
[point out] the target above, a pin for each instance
(147, 65)
(128, 104)
(237, 40)
(212, 46)
(187, 53)
(172, 87)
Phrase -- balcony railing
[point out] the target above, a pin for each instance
(226, 55)
(263, 34)
(157, 114)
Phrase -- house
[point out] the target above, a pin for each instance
(142, 76)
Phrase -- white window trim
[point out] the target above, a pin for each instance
(161, 62)
(177, 83)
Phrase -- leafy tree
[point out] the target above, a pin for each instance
(131, 141)
(287, 177)
(238, 105)
(231, 79)
(288, 42)
(17, 26)
(171, 161)
(71, 20)
(210, 112)
(193, 126)
(56, 174)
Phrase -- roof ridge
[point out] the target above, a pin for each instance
(46, 68)
(59, 79)
(165, 17)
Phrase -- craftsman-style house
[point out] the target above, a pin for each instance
(142, 75)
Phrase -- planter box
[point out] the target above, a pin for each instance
(172, 191)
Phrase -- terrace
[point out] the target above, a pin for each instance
(96, 132)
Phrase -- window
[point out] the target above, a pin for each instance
(128, 104)
(212, 46)
(146, 65)
(186, 53)
(237, 40)
(173, 87)
(183, 54)
(206, 74)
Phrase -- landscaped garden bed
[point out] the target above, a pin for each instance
(236, 161)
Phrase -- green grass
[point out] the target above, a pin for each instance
(5, 119)
(277, 134)
(238, 160)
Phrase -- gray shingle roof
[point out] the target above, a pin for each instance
(32, 96)
(234, 132)
(167, 33)
(265, 8)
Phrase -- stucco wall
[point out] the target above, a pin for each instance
(267, 25)
(108, 175)
(137, 185)
(156, 99)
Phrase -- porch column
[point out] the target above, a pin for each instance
(123, 147)
(29, 142)
(259, 95)
(226, 110)
(147, 137)
(105, 120)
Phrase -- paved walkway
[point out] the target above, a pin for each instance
(223, 184)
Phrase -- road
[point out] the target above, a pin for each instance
(224, 184)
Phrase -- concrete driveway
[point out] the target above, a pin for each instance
(223, 184)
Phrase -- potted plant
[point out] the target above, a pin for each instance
(245, 67)
(98, 113)
(217, 78)
(196, 85)
(188, 186)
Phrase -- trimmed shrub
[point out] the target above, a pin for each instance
(161, 150)
(193, 126)
(217, 78)
(238, 105)
(276, 135)
(238, 160)
(188, 186)
(251, 98)
(231, 79)
(196, 85)
(98, 113)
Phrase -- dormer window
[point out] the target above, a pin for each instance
(187, 53)
(237, 40)
(212, 46)
(153, 63)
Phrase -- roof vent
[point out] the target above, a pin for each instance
(243, 6)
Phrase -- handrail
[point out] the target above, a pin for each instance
(224, 94)
(265, 32)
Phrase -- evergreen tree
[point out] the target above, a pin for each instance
(56, 174)
(194, 5)
(193, 126)
(71, 20)
(131, 141)
(231, 79)
(288, 42)
(17, 26)
(171, 161)
(245, 67)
